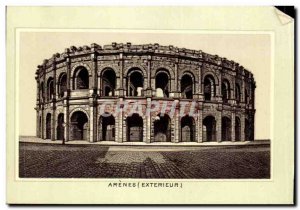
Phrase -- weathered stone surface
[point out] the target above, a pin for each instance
(216, 89)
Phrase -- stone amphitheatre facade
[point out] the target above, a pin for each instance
(80, 90)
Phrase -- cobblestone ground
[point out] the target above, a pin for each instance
(94, 161)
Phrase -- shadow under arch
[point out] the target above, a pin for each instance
(162, 128)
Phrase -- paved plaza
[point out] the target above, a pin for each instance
(100, 161)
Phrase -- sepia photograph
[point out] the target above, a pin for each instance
(150, 105)
(144, 105)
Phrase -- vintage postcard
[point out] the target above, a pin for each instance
(160, 108)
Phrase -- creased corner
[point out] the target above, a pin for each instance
(283, 18)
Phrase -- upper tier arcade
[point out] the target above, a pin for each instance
(146, 49)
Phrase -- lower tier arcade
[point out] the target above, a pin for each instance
(139, 121)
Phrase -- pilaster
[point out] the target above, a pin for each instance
(53, 122)
(219, 126)
(124, 129)
(233, 126)
(93, 119)
(177, 124)
(42, 123)
(66, 120)
(176, 90)
(68, 64)
(145, 128)
(94, 71)
(121, 79)
(119, 137)
(243, 127)
(148, 122)
(199, 124)
(37, 134)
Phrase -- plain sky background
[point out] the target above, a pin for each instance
(253, 51)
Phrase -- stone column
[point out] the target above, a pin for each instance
(53, 124)
(152, 128)
(219, 126)
(117, 89)
(243, 99)
(149, 88)
(121, 85)
(91, 124)
(233, 126)
(66, 120)
(144, 134)
(124, 128)
(45, 124)
(120, 123)
(94, 72)
(243, 127)
(199, 125)
(38, 98)
(54, 81)
(148, 122)
(68, 64)
(100, 90)
(153, 86)
(93, 120)
(177, 125)
(177, 84)
(219, 88)
(232, 99)
(149, 72)
(173, 128)
(42, 122)
(200, 85)
(99, 85)
(124, 87)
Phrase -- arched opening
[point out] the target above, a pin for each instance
(135, 83)
(162, 128)
(226, 129)
(247, 130)
(237, 129)
(108, 82)
(62, 85)
(225, 91)
(79, 128)
(107, 128)
(50, 89)
(135, 128)
(81, 78)
(187, 129)
(209, 88)
(246, 96)
(162, 84)
(209, 129)
(60, 127)
(237, 93)
(186, 87)
(48, 126)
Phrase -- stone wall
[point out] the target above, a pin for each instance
(149, 61)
